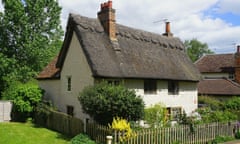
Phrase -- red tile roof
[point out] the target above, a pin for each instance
(218, 87)
(50, 71)
(215, 63)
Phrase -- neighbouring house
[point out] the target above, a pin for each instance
(94, 49)
(221, 75)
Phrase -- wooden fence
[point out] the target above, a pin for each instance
(199, 134)
(60, 122)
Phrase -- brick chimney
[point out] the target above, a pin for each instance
(107, 18)
(168, 30)
(237, 65)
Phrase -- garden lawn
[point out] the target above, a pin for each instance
(28, 133)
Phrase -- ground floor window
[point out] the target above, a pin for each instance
(70, 110)
(174, 113)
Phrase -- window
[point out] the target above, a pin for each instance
(174, 112)
(150, 86)
(70, 110)
(231, 76)
(113, 82)
(69, 83)
(173, 87)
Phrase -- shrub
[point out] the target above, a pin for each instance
(103, 102)
(156, 116)
(25, 97)
(237, 134)
(122, 126)
(82, 139)
(212, 103)
(233, 104)
(220, 139)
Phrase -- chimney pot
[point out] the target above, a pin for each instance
(168, 30)
(238, 48)
(168, 27)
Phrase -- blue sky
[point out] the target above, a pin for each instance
(215, 22)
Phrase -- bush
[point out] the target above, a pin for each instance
(123, 126)
(25, 97)
(220, 139)
(233, 104)
(212, 103)
(103, 102)
(156, 116)
(82, 139)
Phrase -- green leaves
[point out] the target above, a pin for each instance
(31, 31)
(104, 101)
(196, 49)
(30, 37)
(24, 96)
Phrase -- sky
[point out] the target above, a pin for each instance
(215, 22)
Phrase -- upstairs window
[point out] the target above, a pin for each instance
(231, 76)
(173, 87)
(113, 82)
(69, 83)
(150, 87)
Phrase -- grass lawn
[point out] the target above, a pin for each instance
(28, 133)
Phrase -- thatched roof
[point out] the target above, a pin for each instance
(135, 54)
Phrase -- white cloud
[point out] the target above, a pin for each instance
(231, 6)
(186, 16)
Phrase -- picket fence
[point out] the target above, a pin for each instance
(186, 134)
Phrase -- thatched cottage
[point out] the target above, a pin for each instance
(155, 66)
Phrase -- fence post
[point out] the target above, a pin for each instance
(109, 139)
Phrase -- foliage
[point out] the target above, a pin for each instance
(103, 102)
(156, 116)
(218, 111)
(237, 135)
(220, 139)
(209, 116)
(81, 139)
(25, 96)
(30, 36)
(213, 103)
(122, 126)
(196, 49)
(27, 133)
(233, 104)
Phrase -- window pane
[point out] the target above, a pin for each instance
(150, 86)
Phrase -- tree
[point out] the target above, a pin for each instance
(196, 49)
(30, 36)
(103, 102)
(30, 31)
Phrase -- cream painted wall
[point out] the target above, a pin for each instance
(76, 67)
(187, 97)
(52, 90)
